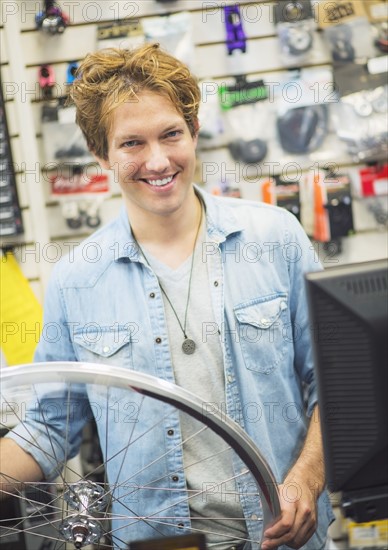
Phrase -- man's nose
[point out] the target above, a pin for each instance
(157, 159)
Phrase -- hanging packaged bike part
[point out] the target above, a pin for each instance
(370, 184)
(360, 118)
(303, 129)
(282, 193)
(174, 32)
(244, 125)
(235, 34)
(246, 114)
(347, 30)
(10, 213)
(302, 110)
(63, 141)
(46, 79)
(374, 180)
(71, 72)
(51, 20)
(224, 189)
(339, 205)
(332, 207)
(211, 124)
(295, 26)
(377, 15)
(242, 92)
(122, 33)
(80, 194)
(380, 31)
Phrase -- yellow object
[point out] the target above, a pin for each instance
(20, 314)
(373, 534)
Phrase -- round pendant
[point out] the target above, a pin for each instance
(188, 346)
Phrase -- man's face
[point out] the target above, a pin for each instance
(152, 153)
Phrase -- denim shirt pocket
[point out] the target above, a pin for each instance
(108, 345)
(260, 330)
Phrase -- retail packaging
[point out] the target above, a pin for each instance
(373, 534)
(347, 30)
(80, 192)
(295, 25)
(282, 193)
(174, 33)
(326, 206)
(121, 33)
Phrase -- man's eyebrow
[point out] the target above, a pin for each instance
(172, 126)
(127, 137)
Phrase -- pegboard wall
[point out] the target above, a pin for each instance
(24, 49)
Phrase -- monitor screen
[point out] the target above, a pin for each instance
(348, 318)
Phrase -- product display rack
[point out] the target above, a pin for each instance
(10, 214)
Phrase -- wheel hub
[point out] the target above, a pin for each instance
(82, 528)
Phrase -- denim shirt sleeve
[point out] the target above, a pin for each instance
(46, 432)
(302, 259)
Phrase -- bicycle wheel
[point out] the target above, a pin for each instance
(103, 506)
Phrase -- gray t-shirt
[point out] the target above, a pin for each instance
(201, 373)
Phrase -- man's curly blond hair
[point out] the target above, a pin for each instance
(107, 78)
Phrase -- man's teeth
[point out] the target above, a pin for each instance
(160, 182)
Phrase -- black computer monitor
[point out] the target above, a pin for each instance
(348, 308)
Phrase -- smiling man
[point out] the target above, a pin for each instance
(154, 160)
(232, 329)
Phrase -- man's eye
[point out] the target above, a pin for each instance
(173, 133)
(131, 143)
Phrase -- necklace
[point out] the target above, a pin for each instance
(188, 345)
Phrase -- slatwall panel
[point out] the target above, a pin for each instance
(262, 60)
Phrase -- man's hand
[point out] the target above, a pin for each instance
(299, 494)
(16, 467)
(298, 518)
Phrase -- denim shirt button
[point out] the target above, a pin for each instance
(254, 516)
(158, 340)
(105, 349)
(175, 478)
(265, 321)
(170, 432)
(230, 378)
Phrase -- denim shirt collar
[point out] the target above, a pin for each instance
(221, 222)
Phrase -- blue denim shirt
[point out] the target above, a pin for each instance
(104, 305)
